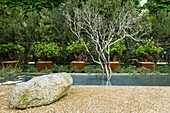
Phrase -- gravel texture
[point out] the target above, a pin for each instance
(100, 99)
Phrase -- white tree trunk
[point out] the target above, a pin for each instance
(102, 34)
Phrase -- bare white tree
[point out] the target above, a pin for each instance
(88, 23)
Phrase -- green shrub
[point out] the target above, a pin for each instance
(118, 48)
(128, 69)
(150, 48)
(75, 70)
(97, 70)
(77, 46)
(117, 70)
(31, 70)
(47, 49)
(47, 71)
(164, 69)
(60, 68)
(143, 70)
(8, 71)
(92, 69)
(12, 49)
(88, 70)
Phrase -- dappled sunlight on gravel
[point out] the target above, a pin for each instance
(100, 99)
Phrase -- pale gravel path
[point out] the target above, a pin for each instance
(100, 99)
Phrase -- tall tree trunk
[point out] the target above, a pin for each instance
(78, 56)
(115, 56)
(146, 57)
(11, 55)
(44, 57)
(106, 67)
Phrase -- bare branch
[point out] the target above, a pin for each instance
(102, 34)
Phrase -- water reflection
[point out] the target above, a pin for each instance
(116, 80)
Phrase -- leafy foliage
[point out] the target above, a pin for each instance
(24, 22)
(76, 47)
(47, 71)
(75, 70)
(15, 27)
(10, 51)
(48, 49)
(156, 5)
(160, 19)
(60, 68)
(11, 47)
(142, 70)
(117, 47)
(92, 69)
(161, 27)
(108, 7)
(164, 69)
(45, 28)
(32, 5)
(11, 24)
(29, 69)
(148, 48)
(25, 29)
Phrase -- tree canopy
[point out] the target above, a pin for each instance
(31, 5)
(156, 5)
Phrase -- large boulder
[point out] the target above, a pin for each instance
(41, 90)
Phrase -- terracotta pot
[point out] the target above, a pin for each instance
(41, 65)
(79, 64)
(114, 65)
(13, 64)
(148, 65)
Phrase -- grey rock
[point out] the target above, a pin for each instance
(41, 90)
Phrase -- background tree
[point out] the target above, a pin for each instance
(25, 28)
(156, 5)
(161, 32)
(16, 27)
(160, 18)
(32, 5)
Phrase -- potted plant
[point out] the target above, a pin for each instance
(45, 51)
(146, 51)
(10, 54)
(78, 50)
(115, 50)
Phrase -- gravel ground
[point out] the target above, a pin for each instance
(100, 99)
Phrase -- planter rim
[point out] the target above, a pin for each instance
(147, 62)
(9, 61)
(45, 62)
(114, 62)
(77, 62)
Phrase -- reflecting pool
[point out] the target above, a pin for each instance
(96, 79)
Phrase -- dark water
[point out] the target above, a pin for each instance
(116, 80)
